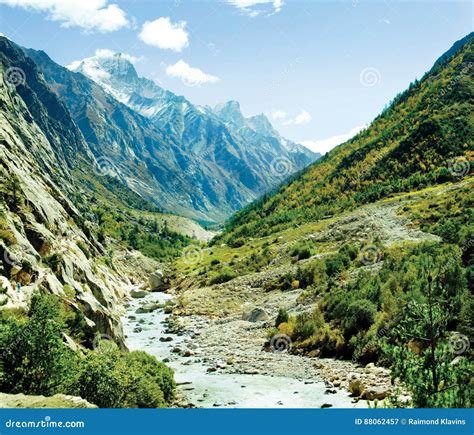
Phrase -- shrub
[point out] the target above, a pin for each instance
(360, 315)
(307, 323)
(224, 276)
(54, 262)
(282, 317)
(35, 360)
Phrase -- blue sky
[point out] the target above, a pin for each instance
(319, 69)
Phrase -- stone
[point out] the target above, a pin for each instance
(256, 315)
(326, 405)
(375, 393)
(138, 294)
(147, 308)
(156, 281)
(56, 401)
(356, 388)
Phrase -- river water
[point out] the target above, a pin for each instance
(220, 389)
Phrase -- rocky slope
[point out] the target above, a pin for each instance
(48, 244)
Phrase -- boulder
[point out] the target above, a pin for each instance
(256, 315)
(147, 308)
(156, 281)
(137, 294)
(356, 387)
(375, 393)
(56, 401)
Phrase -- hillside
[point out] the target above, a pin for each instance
(366, 257)
(424, 137)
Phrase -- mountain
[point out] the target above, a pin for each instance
(223, 167)
(367, 256)
(61, 219)
(424, 137)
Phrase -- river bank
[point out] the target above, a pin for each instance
(221, 363)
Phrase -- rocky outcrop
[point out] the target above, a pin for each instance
(45, 244)
(56, 401)
(256, 315)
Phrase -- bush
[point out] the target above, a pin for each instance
(222, 277)
(360, 315)
(282, 317)
(111, 379)
(35, 360)
(307, 324)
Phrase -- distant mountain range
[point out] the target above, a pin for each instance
(195, 161)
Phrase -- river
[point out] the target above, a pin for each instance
(218, 389)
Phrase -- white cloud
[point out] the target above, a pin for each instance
(384, 20)
(90, 15)
(253, 8)
(189, 76)
(324, 145)
(278, 115)
(303, 118)
(163, 33)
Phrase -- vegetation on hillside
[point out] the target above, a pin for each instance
(129, 220)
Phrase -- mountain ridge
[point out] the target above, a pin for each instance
(406, 146)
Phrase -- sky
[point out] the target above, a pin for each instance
(320, 70)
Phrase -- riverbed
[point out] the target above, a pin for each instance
(204, 382)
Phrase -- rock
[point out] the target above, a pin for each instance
(147, 308)
(211, 369)
(370, 366)
(356, 387)
(176, 350)
(187, 353)
(256, 315)
(137, 329)
(156, 281)
(314, 353)
(165, 339)
(375, 393)
(138, 294)
(328, 391)
(56, 401)
(326, 405)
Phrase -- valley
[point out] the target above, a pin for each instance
(221, 347)
(156, 253)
